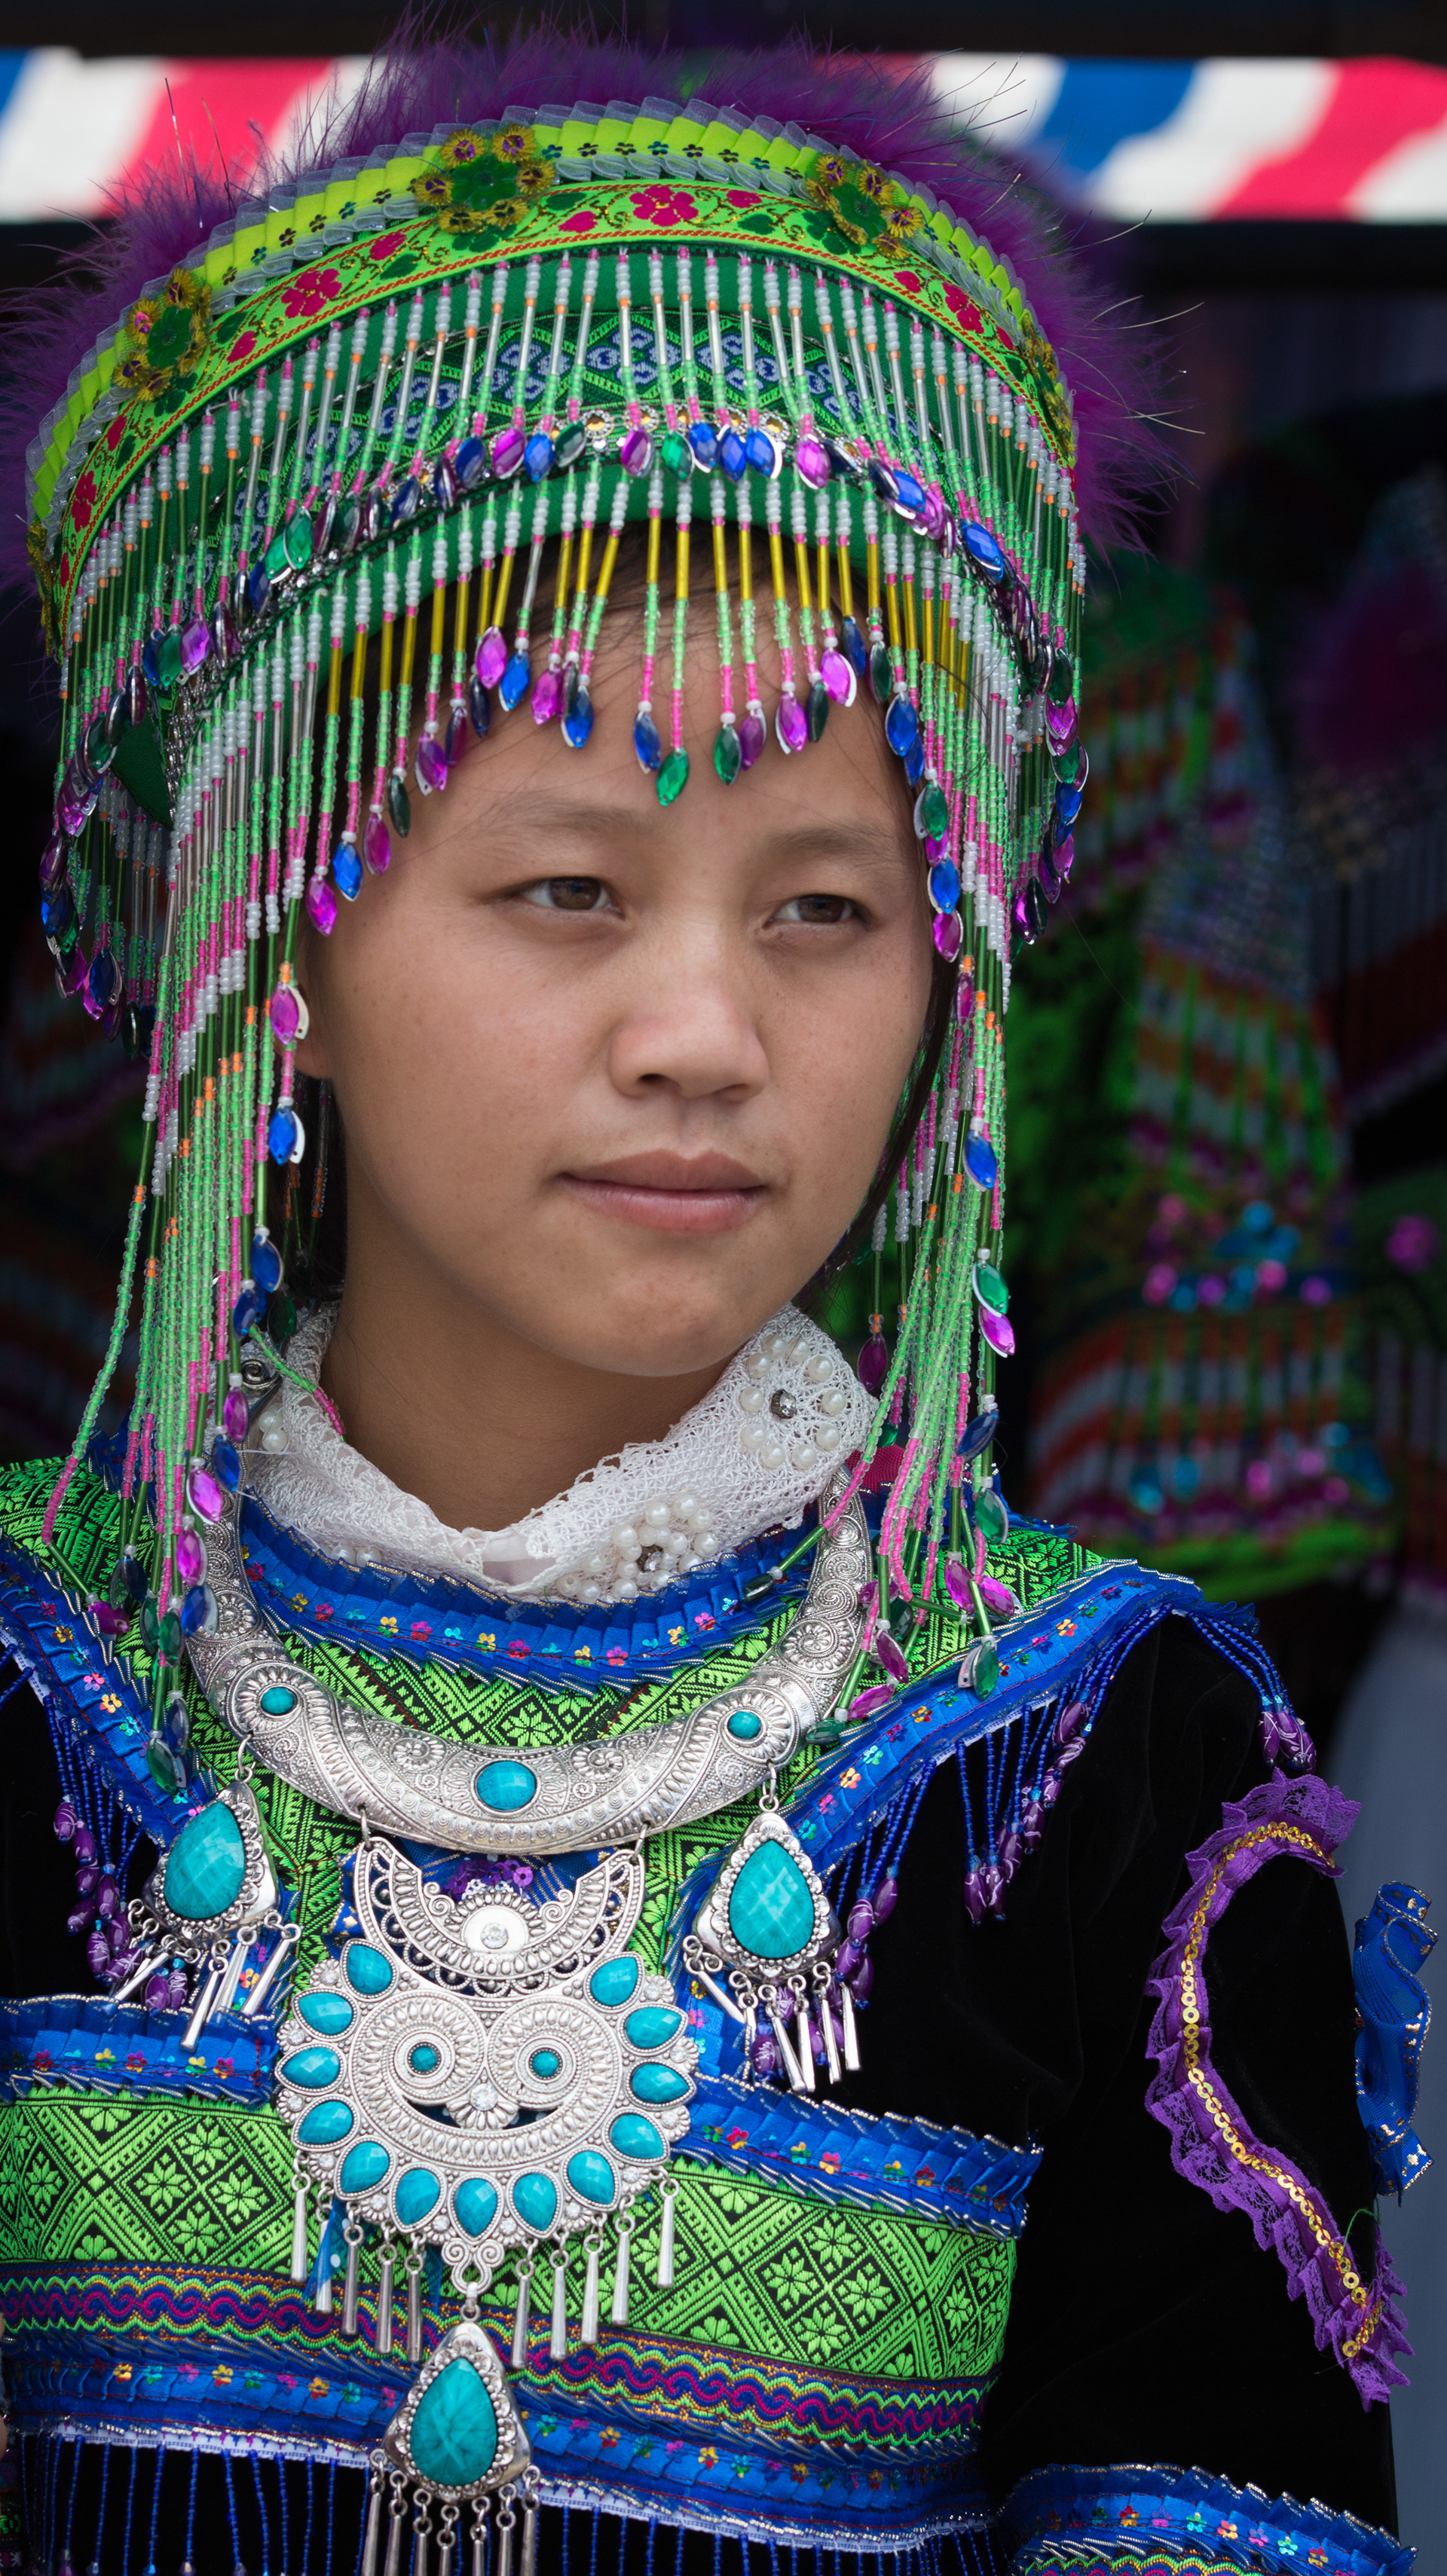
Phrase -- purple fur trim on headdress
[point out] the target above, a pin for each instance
(1274, 2193)
(897, 123)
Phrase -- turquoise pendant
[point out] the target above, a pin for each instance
(763, 1945)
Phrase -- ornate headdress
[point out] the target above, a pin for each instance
(387, 400)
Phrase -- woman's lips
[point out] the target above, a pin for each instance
(671, 1193)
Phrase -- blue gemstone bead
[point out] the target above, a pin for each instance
(615, 1981)
(745, 1724)
(225, 1465)
(514, 682)
(652, 2026)
(981, 1161)
(151, 659)
(453, 2438)
(417, 2195)
(908, 490)
(327, 2013)
(244, 1313)
(346, 871)
(205, 1866)
(475, 2205)
(983, 550)
(470, 464)
(312, 2068)
(733, 456)
(944, 885)
(258, 587)
(703, 439)
(901, 726)
(544, 2063)
(537, 455)
(762, 454)
(424, 2057)
(1068, 802)
(592, 2177)
(278, 1701)
(535, 2198)
(505, 1786)
(661, 2083)
(265, 1264)
(914, 761)
(854, 645)
(771, 1911)
(647, 742)
(635, 2137)
(578, 722)
(367, 1970)
(326, 2125)
(404, 506)
(364, 2166)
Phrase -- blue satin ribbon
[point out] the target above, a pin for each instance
(1392, 1943)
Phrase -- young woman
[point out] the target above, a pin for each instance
(658, 1973)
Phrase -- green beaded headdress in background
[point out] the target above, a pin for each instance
(292, 525)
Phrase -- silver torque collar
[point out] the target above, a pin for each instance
(566, 1798)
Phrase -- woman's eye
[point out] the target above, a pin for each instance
(568, 894)
(819, 909)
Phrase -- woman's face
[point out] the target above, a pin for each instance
(618, 1077)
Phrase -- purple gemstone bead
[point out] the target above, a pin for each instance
(1049, 1789)
(840, 678)
(790, 723)
(948, 934)
(431, 765)
(81, 1920)
(195, 644)
(998, 1330)
(72, 809)
(811, 463)
(107, 1898)
(1060, 724)
(867, 1703)
(84, 1844)
(158, 1992)
(507, 452)
(377, 845)
(98, 1953)
(190, 1546)
(1008, 1850)
(861, 1919)
(1065, 855)
(547, 696)
(285, 1013)
(1070, 1721)
(65, 1821)
(87, 1880)
(998, 1597)
(863, 1979)
(885, 1899)
(957, 1586)
(223, 633)
(636, 453)
(974, 1897)
(321, 906)
(179, 1989)
(887, 1655)
(766, 2055)
(105, 1618)
(70, 978)
(874, 1364)
(752, 738)
(491, 659)
(1070, 1752)
(235, 1422)
(204, 1495)
(457, 736)
(52, 864)
(847, 1958)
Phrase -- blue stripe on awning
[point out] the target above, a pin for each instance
(1101, 104)
(12, 64)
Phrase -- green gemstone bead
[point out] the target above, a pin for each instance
(771, 1911)
(169, 1637)
(298, 542)
(205, 1866)
(164, 1768)
(673, 778)
(168, 659)
(992, 1514)
(453, 2438)
(990, 1287)
(727, 755)
(935, 812)
(677, 455)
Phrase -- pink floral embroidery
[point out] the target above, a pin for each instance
(965, 313)
(82, 511)
(906, 278)
(309, 292)
(743, 197)
(243, 347)
(664, 207)
(581, 222)
(385, 244)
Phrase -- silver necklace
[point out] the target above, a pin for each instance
(492, 1798)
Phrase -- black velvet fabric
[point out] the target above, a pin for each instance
(1146, 2326)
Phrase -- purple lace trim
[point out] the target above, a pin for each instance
(1360, 2322)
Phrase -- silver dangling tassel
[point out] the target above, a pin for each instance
(372, 2544)
(520, 2317)
(446, 2540)
(202, 2013)
(352, 2281)
(781, 2040)
(299, 2264)
(805, 2045)
(384, 2301)
(530, 2535)
(588, 2330)
(414, 2310)
(831, 2044)
(240, 1948)
(669, 2191)
(751, 2032)
(721, 1995)
(851, 2030)
(479, 2539)
(506, 2518)
(394, 2536)
(145, 1967)
(558, 2344)
(287, 1940)
(422, 2535)
(618, 2313)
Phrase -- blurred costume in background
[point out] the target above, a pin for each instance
(577, 2018)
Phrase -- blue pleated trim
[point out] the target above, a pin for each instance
(1156, 2508)
(87, 2043)
(86, 1689)
(815, 2147)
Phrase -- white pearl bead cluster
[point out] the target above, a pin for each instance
(672, 1536)
(797, 1424)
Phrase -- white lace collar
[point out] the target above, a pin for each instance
(761, 1445)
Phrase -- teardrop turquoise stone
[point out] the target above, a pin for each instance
(535, 2198)
(325, 2125)
(417, 2193)
(635, 2137)
(475, 2204)
(312, 2067)
(327, 2013)
(504, 1786)
(615, 1981)
(367, 1969)
(205, 1865)
(454, 2431)
(652, 2026)
(771, 1911)
(664, 2083)
(592, 2177)
(363, 2166)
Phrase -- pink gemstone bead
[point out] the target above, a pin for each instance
(285, 1014)
(507, 451)
(998, 1330)
(867, 1702)
(636, 453)
(811, 463)
(948, 934)
(204, 1495)
(547, 696)
(235, 1422)
(874, 1364)
(492, 657)
(957, 1586)
(190, 1546)
(791, 724)
(752, 738)
(1060, 724)
(839, 678)
(195, 644)
(431, 764)
(377, 845)
(72, 810)
(108, 1621)
(321, 905)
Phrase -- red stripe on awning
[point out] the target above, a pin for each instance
(1375, 106)
(233, 98)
